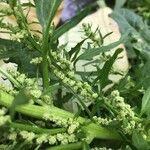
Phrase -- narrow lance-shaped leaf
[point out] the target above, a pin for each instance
(104, 72)
(146, 102)
(76, 48)
(90, 53)
(46, 10)
(70, 24)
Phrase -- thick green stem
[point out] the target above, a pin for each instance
(73, 146)
(92, 129)
(45, 72)
(35, 129)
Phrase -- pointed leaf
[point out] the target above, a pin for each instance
(104, 72)
(90, 53)
(76, 49)
(146, 102)
(46, 10)
(70, 24)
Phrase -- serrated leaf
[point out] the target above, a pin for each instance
(9, 48)
(70, 24)
(46, 10)
(20, 54)
(146, 102)
(90, 53)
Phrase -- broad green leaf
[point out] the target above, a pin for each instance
(139, 142)
(104, 72)
(146, 102)
(46, 10)
(90, 53)
(70, 24)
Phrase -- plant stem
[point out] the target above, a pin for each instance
(73, 146)
(45, 72)
(101, 3)
(92, 129)
(35, 129)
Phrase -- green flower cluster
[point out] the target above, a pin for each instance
(97, 41)
(36, 60)
(62, 138)
(70, 124)
(125, 114)
(31, 85)
(102, 121)
(82, 88)
(62, 62)
(3, 117)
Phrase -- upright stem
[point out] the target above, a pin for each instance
(45, 72)
(45, 48)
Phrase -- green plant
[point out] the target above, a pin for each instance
(46, 81)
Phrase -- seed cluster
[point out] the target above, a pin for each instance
(70, 124)
(125, 114)
(36, 60)
(91, 35)
(3, 117)
(31, 86)
(82, 88)
(102, 121)
(62, 138)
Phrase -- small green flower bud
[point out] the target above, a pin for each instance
(95, 95)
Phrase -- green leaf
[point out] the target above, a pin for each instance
(20, 54)
(140, 33)
(146, 102)
(9, 48)
(139, 142)
(46, 10)
(12, 3)
(70, 24)
(104, 72)
(76, 49)
(90, 53)
(21, 98)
